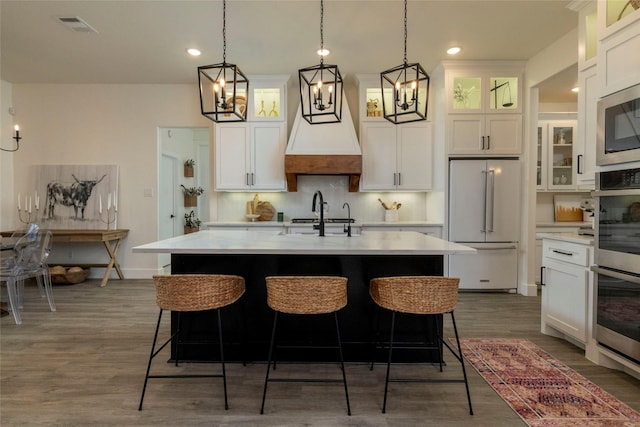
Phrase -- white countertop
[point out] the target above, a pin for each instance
(273, 242)
(568, 237)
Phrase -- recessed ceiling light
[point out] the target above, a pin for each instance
(575, 89)
(323, 52)
(454, 50)
(193, 51)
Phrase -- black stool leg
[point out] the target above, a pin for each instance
(464, 371)
(266, 380)
(224, 372)
(439, 325)
(153, 346)
(344, 375)
(386, 380)
(177, 340)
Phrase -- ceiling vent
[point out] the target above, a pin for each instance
(76, 24)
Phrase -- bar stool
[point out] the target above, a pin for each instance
(193, 292)
(422, 295)
(306, 295)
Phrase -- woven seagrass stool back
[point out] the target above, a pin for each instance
(420, 295)
(188, 293)
(306, 295)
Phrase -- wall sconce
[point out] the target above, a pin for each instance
(321, 88)
(224, 89)
(17, 137)
(409, 86)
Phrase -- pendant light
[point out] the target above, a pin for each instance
(224, 89)
(405, 89)
(321, 88)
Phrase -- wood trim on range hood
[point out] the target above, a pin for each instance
(323, 164)
(323, 149)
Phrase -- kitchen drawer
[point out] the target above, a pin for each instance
(566, 252)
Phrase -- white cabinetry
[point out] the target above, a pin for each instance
(555, 165)
(484, 109)
(485, 134)
(566, 288)
(585, 144)
(250, 156)
(396, 157)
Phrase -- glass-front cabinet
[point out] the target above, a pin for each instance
(484, 92)
(267, 100)
(555, 168)
(370, 98)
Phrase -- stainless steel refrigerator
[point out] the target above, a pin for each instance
(484, 213)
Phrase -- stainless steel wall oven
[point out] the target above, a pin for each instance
(617, 257)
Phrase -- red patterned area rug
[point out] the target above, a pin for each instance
(542, 390)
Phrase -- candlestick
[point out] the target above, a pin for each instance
(108, 201)
(100, 209)
(18, 202)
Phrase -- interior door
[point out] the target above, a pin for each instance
(168, 186)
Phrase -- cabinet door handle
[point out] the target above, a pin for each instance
(246, 179)
(489, 142)
(580, 172)
(482, 143)
(253, 179)
(399, 179)
(562, 252)
(395, 179)
(542, 276)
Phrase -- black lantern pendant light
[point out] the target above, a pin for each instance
(405, 89)
(224, 89)
(321, 88)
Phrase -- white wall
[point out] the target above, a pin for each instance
(7, 211)
(104, 124)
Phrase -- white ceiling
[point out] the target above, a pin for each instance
(144, 41)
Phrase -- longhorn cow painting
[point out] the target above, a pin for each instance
(75, 195)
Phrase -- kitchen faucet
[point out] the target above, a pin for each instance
(348, 227)
(320, 225)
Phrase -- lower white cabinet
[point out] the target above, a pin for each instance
(566, 285)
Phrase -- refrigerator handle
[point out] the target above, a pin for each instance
(492, 192)
(484, 208)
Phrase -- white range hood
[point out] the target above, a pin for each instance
(324, 149)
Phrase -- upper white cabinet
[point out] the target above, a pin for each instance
(484, 107)
(250, 156)
(585, 143)
(485, 134)
(555, 163)
(396, 157)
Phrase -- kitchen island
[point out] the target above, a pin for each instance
(256, 254)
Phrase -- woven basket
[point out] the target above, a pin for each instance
(306, 294)
(416, 294)
(70, 278)
(197, 292)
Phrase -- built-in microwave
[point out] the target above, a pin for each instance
(618, 137)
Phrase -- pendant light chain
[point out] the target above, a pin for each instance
(224, 32)
(405, 32)
(321, 30)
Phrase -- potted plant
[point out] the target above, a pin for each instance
(191, 195)
(188, 168)
(191, 223)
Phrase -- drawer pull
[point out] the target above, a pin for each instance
(562, 252)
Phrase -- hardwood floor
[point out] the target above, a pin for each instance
(84, 366)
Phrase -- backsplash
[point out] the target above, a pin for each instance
(364, 206)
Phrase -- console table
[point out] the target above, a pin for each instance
(110, 238)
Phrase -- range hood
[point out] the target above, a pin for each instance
(323, 149)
